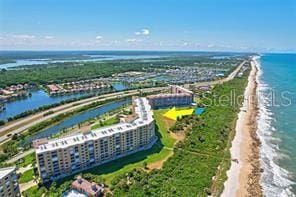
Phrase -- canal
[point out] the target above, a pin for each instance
(40, 98)
(37, 99)
(76, 119)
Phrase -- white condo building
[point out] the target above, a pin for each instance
(57, 158)
(8, 182)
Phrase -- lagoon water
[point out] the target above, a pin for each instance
(76, 119)
(40, 98)
(37, 99)
(277, 123)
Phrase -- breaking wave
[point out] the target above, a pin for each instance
(275, 180)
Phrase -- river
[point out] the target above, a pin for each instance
(76, 119)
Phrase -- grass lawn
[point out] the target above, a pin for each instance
(174, 113)
(27, 160)
(203, 154)
(26, 176)
(163, 127)
(34, 191)
(160, 151)
(108, 122)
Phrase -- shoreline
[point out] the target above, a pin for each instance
(244, 175)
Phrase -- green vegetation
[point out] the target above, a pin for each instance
(163, 127)
(27, 176)
(106, 173)
(27, 160)
(108, 122)
(10, 148)
(160, 151)
(34, 191)
(203, 155)
(73, 71)
(61, 72)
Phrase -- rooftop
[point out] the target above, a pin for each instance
(90, 188)
(5, 171)
(142, 109)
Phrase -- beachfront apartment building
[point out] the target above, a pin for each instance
(57, 158)
(178, 96)
(8, 182)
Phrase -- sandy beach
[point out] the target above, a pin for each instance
(244, 173)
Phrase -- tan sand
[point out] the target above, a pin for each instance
(244, 174)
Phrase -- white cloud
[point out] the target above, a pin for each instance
(24, 37)
(99, 37)
(211, 46)
(49, 37)
(144, 32)
(133, 40)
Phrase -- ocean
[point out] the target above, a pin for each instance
(277, 123)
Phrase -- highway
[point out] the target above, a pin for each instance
(220, 81)
(23, 124)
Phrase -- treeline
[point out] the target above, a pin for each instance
(73, 71)
(203, 154)
(65, 72)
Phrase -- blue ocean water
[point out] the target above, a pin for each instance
(277, 123)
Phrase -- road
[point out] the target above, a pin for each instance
(21, 155)
(25, 123)
(219, 81)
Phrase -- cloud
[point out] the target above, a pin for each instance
(211, 45)
(133, 40)
(24, 37)
(99, 38)
(144, 32)
(49, 37)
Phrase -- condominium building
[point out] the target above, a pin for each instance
(64, 156)
(178, 96)
(8, 182)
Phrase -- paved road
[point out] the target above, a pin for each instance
(25, 123)
(20, 155)
(228, 78)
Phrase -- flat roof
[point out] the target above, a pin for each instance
(168, 95)
(5, 171)
(142, 109)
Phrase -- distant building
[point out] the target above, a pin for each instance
(178, 96)
(8, 182)
(85, 187)
(205, 88)
(64, 156)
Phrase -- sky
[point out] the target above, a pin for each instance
(206, 25)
